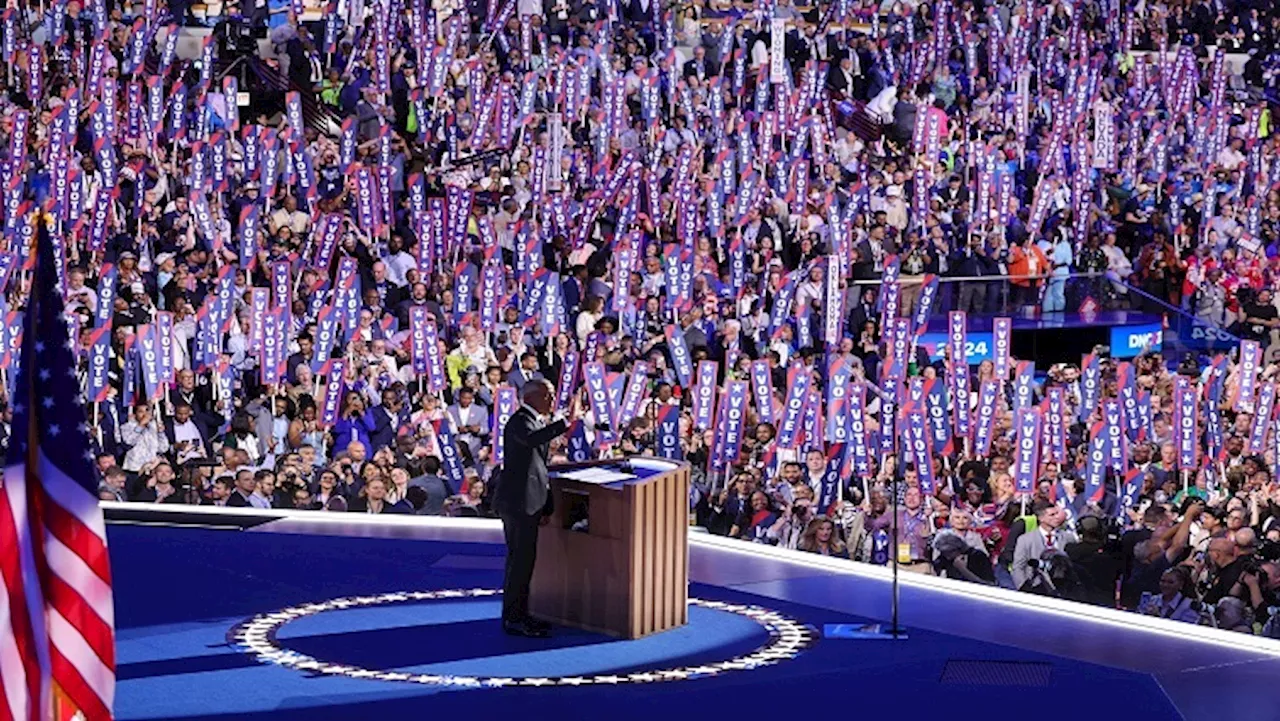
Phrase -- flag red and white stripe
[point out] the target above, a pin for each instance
(57, 637)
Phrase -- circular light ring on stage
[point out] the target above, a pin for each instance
(787, 638)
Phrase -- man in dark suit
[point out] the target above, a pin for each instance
(523, 501)
(698, 66)
(527, 371)
(386, 421)
(841, 78)
(184, 429)
(111, 417)
(862, 311)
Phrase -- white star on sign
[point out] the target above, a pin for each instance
(54, 430)
(47, 402)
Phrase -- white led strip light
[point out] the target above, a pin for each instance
(787, 638)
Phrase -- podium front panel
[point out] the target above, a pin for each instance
(613, 557)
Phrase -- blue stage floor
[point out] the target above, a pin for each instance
(187, 597)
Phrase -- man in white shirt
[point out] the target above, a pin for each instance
(398, 262)
(1230, 157)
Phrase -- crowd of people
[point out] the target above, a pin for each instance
(681, 215)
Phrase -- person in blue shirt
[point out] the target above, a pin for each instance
(1060, 258)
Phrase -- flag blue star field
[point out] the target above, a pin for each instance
(55, 600)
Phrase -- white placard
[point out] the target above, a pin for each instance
(778, 51)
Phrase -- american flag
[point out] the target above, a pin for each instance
(57, 647)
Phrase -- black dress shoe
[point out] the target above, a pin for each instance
(520, 628)
(536, 623)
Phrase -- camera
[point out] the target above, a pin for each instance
(237, 37)
(1268, 550)
(1189, 366)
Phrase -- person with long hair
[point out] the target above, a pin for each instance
(820, 537)
(1174, 600)
(761, 523)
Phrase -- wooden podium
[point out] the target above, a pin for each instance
(614, 557)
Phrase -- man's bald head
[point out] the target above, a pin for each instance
(1221, 552)
(539, 395)
(1246, 541)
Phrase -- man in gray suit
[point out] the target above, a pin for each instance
(523, 501)
(1048, 536)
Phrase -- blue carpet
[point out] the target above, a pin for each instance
(180, 592)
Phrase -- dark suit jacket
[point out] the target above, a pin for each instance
(519, 378)
(522, 486)
(709, 69)
(110, 427)
(858, 316)
(205, 434)
(384, 429)
(838, 84)
(361, 505)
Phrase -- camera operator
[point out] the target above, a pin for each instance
(1098, 561)
(1254, 583)
(1225, 564)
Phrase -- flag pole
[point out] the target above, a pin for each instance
(63, 707)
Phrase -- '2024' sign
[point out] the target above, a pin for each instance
(977, 347)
